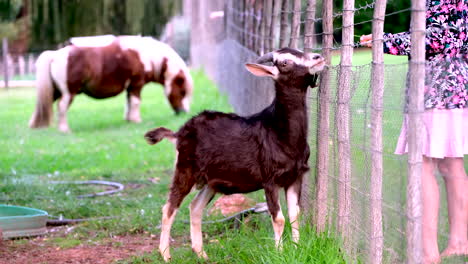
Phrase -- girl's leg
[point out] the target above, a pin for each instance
(456, 184)
(430, 200)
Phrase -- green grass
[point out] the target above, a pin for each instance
(253, 243)
(103, 146)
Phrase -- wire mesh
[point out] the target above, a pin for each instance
(249, 95)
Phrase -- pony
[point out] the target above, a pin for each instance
(103, 67)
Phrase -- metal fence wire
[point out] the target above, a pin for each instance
(357, 186)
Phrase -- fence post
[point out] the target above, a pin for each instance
(274, 21)
(258, 26)
(5, 62)
(377, 86)
(267, 17)
(296, 24)
(415, 111)
(306, 198)
(284, 24)
(30, 67)
(323, 120)
(21, 65)
(309, 38)
(342, 121)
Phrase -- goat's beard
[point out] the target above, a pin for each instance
(312, 80)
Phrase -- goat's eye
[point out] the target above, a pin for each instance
(285, 63)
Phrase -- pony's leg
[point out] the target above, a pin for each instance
(181, 185)
(196, 212)
(293, 193)
(277, 218)
(63, 106)
(133, 105)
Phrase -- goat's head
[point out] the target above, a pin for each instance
(291, 67)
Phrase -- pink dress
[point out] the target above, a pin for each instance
(446, 84)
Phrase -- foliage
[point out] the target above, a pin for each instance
(56, 21)
(393, 23)
(8, 12)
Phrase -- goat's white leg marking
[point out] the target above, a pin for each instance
(278, 226)
(133, 109)
(166, 225)
(293, 210)
(196, 213)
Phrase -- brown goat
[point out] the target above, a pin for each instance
(227, 153)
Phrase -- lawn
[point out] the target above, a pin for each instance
(103, 146)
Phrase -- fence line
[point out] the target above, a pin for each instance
(355, 115)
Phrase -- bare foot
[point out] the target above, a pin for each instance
(457, 250)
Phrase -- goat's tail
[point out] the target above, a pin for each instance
(45, 91)
(158, 134)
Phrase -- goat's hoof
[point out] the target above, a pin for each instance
(279, 246)
(166, 255)
(202, 254)
(167, 258)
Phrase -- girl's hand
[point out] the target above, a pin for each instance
(366, 40)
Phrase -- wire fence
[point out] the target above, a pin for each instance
(357, 186)
(346, 191)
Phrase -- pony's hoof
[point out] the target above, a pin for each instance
(65, 130)
(134, 120)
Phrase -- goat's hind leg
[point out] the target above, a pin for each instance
(181, 186)
(196, 213)
(277, 217)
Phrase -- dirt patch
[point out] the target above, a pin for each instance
(39, 250)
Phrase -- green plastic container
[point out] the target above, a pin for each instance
(19, 221)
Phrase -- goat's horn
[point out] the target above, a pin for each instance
(265, 58)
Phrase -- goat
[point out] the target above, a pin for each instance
(226, 153)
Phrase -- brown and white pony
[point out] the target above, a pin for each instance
(104, 66)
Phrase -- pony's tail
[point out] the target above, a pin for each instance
(45, 92)
(158, 134)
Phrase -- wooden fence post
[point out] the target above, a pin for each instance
(415, 128)
(309, 38)
(284, 24)
(274, 22)
(323, 126)
(377, 86)
(6, 72)
(296, 25)
(342, 121)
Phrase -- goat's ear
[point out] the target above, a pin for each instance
(262, 70)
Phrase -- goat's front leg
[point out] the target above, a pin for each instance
(277, 218)
(293, 194)
(196, 213)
